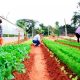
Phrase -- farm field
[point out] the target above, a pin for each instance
(69, 42)
(42, 66)
(49, 61)
(66, 54)
(40, 40)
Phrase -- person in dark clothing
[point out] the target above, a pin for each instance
(1, 33)
(77, 33)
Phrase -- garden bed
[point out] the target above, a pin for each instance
(41, 66)
(65, 54)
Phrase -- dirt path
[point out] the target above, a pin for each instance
(41, 66)
(38, 71)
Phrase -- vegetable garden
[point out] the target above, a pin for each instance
(57, 57)
(69, 56)
(11, 57)
(21, 60)
(68, 42)
(12, 60)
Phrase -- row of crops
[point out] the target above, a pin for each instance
(69, 56)
(11, 57)
(69, 42)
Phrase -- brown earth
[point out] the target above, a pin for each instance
(41, 66)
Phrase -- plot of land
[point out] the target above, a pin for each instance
(41, 66)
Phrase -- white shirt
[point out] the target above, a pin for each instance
(36, 37)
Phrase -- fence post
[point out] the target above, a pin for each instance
(18, 37)
(65, 28)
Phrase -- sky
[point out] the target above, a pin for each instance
(44, 11)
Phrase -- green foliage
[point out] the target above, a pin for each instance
(26, 24)
(70, 56)
(69, 42)
(21, 23)
(76, 18)
(11, 57)
(57, 31)
(76, 78)
(70, 29)
(9, 35)
(44, 29)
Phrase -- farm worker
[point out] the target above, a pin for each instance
(1, 40)
(77, 32)
(36, 39)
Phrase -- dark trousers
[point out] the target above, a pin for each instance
(78, 36)
(36, 42)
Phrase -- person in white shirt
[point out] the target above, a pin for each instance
(36, 39)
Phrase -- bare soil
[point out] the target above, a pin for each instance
(41, 66)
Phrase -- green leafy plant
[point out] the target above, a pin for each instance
(11, 57)
(69, 56)
(69, 42)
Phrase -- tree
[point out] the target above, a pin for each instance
(78, 5)
(27, 24)
(57, 31)
(76, 19)
(70, 29)
(50, 30)
(44, 29)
